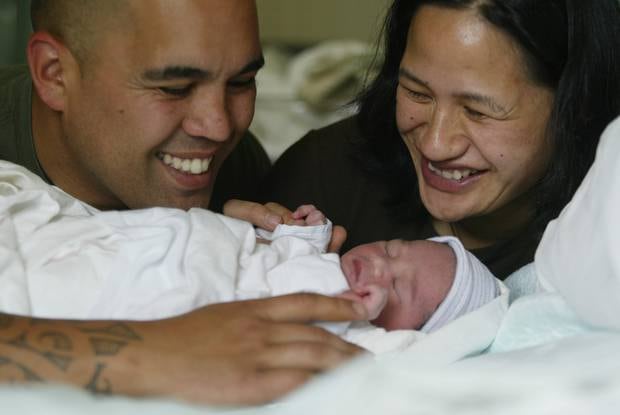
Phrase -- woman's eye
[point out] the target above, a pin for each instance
(176, 91)
(418, 96)
(415, 95)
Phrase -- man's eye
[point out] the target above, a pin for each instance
(176, 91)
(476, 115)
(243, 83)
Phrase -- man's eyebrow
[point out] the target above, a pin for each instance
(253, 66)
(175, 72)
(189, 72)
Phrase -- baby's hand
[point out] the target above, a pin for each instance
(306, 215)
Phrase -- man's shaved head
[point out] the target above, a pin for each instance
(78, 23)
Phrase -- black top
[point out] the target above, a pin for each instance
(238, 178)
(321, 169)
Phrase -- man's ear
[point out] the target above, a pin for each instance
(49, 61)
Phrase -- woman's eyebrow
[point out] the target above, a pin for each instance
(402, 72)
(485, 100)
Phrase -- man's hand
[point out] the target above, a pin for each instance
(270, 215)
(246, 352)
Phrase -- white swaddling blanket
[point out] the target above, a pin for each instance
(63, 259)
(143, 263)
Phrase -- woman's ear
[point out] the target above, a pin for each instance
(48, 60)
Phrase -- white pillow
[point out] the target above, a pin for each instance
(579, 255)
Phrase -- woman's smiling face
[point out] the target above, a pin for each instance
(472, 119)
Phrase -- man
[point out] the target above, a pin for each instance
(137, 104)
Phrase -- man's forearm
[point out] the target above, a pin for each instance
(78, 353)
(244, 352)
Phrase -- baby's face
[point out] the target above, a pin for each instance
(416, 274)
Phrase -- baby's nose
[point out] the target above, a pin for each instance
(376, 273)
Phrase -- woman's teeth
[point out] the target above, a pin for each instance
(192, 166)
(452, 174)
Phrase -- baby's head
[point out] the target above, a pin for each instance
(411, 284)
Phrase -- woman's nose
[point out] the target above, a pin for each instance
(441, 137)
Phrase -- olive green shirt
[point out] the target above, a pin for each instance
(239, 176)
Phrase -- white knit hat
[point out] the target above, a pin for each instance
(473, 287)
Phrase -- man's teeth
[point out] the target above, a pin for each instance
(193, 166)
(452, 174)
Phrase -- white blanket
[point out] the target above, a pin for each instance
(64, 259)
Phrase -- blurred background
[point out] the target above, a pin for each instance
(318, 55)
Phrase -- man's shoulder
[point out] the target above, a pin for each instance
(13, 73)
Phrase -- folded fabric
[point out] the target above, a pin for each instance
(318, 236)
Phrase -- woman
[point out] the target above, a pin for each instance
(481, 124)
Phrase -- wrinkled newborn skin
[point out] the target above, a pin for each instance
(401, 283)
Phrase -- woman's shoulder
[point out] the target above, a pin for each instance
(336, 139)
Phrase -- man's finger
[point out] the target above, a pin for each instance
(310, 356)
(263, 216)
(288, 333)
(339, 235)
(304, 308)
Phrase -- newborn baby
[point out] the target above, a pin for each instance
(406, 285)
(401, 283)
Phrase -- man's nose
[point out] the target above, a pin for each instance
(209, 115)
